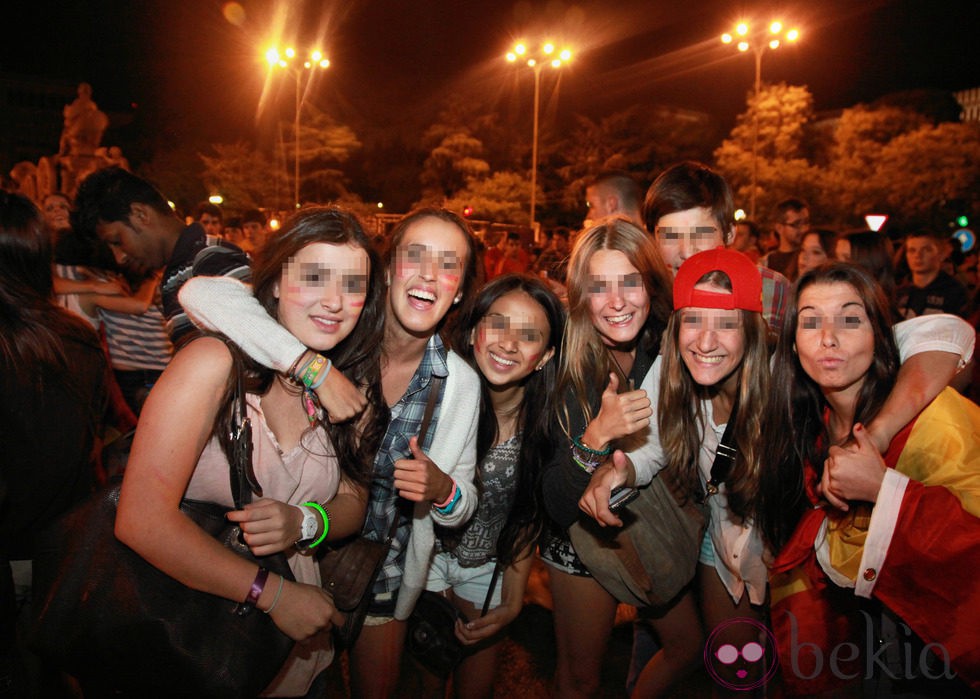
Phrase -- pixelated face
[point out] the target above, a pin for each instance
(212, 224)
(811, 253)
(683, 234)
(322, 292)
(923, 255)
(55, 211)
(511, 340)
(426, 276)
(711, 341)
(740, 654)
(618, 300)
(794, 226)
(834, 338)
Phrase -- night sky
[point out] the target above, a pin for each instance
(393, 59)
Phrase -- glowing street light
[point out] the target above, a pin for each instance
(758, 42)
(548, 54)
(287, 61)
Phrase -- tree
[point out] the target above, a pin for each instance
(638, 139)
(783, 168)
(861, 134)
(324, 144)
(504, 197)
(176, 172)
(246, 178)
(451, 165)
(920, 171)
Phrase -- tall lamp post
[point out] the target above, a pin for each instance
(758, 42)
(288, 61)
(536, 62)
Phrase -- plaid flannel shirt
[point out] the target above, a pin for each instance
(383, 501)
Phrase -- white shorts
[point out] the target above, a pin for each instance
(469, 583)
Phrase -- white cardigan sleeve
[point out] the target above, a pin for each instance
(648, 457)
(227, 306)
(453, 450)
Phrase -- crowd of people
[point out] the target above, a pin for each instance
(474, 399)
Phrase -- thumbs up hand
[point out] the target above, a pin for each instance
(854, 471)
(419, 479)
(621, 414)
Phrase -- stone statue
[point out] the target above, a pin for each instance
(80, 139)
(79, 152)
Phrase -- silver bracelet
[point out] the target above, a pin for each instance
(275, 600)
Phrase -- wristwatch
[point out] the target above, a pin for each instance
(307, 531)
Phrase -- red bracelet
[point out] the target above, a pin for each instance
(254, 592)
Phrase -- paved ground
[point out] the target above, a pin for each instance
(528, 656)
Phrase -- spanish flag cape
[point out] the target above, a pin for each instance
(931, 573)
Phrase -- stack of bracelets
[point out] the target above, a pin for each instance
(449, 504)
(586, 457)
(310, 374)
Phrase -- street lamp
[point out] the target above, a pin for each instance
(549, 55)
(758, 42)
(288, 61)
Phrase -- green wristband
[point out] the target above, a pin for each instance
(326, 522)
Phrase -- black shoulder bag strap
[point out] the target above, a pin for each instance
(724, 456)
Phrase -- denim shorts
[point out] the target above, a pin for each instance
(469, 583)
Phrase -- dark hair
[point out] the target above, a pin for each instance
(753, 227)
(787, 205)
(629, 190)
(32, 328)
(253, 216)
(690, 185)
(795, 432)
(206, 207)
(874, 252)
(513, 235)
(826, 238)
(536, 420)
(937, 236)
(108, 195)
(357, 355)
(469, 271)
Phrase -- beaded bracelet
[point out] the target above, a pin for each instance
(258, 585)
(326, 522)
(449, 504)
(589, 465)
(582, 446)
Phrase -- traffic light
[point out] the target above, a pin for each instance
(467, 211)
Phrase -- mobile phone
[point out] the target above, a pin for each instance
(621, 496)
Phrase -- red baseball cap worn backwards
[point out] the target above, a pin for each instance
(746, 281)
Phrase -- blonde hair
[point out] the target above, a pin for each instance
(586, 361)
